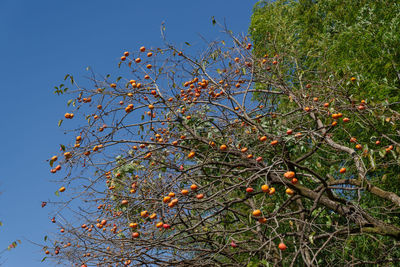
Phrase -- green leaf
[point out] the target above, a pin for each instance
(45, 238)
(69, 102)
(187, 43)
(57, 193)
(372, 160)
(43, 259)
(311, 238)
(60, 122)
(62, 147)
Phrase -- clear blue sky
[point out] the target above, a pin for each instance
(40, 42)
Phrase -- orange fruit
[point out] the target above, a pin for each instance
(274, 142)
(289, 191)
(223, 147)
(133, 225)
(256, 213)
(193, 187)
(200, 196)
(282, 246)
(184, 192)
(263, 138)
(62, 189)
(289, 174)
(142, 49)
(271, 191)
(342, 170)
(191, 154)
(262, 220)
(265, 188)
(135, 235)
(166, 199)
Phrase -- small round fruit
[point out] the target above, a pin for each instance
(289, 191)
(274, 142)
(282, 246)
(265, 188)
(249, 190)
(200, 196)
(135, 235)
(193, 187)
(271, 191)
(289, 174)
(256, 213)
(184, 192)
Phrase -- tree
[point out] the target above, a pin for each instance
(356, 37)
(340, 37)
(227, 159)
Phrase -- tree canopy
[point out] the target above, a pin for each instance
(356, 37)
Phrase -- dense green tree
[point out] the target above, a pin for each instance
(357, 38)
(353, 43)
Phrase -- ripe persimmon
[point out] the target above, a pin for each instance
(193, 187)
(135, 234)
(256, 213)
(289, 174)
(200, 196)
(282, 246)
(265, 188)
(289, 191)
(274, 142)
